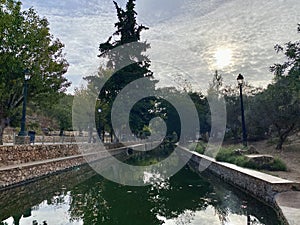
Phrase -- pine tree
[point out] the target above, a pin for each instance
(127, 49)
(125, 55)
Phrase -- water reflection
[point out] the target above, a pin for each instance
(82, 197)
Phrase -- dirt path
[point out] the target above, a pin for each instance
(290, 154)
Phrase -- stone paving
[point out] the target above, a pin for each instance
(289, 203)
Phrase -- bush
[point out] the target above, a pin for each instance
(229, 155)
(197, 147)
(278, 165)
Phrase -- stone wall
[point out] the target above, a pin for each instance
(46, 139)
(20, 199)
(23, 163)
(259, 188)
(18, 175)
(262, 186)
(18, 154)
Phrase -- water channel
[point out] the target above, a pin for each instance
(81, 196)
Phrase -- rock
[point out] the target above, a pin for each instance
(252, 150)
(261, 161)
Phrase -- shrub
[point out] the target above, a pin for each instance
(227, 155)
(197, 147)
(231, 156)
(278, 165)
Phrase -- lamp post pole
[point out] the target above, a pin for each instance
(240, 80)
(99, 132)
(23, 121)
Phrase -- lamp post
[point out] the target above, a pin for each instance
(23, 121)
(240, 80)
(99, 132)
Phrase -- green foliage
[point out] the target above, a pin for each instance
(202, 107)
(197, 147)
(276, 110)
(128, 32)
(273, 111)
(26, 44)
(285, 92)
(84, 108)
(229, 155)
(62, 113)
(126, 62)
(277, 165)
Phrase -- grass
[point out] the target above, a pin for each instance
(197, 147)
(278, 165)
(229, 155)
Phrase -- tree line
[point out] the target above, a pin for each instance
(26, 43)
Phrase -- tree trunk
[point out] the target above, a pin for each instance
(279, 144)
(3, 125)
(1, 135)
(103, 135)
(283, 136)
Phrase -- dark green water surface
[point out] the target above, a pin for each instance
(81, 196)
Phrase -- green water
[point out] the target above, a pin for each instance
(80, 196)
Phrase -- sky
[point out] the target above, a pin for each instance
(190, 39)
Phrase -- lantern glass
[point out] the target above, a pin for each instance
(27, 74)
(240, 79)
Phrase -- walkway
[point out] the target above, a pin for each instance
(289, 203)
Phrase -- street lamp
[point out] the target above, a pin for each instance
(99, 111)
(240, 80)
(23, 121)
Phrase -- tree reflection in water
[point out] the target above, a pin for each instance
(186, 198)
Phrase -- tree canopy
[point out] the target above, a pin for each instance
(126, 62)
(26, 44)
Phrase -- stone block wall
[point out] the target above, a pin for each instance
(23, 163)
(256, 186)
(45, 139)
(18, 154)
(21, 174)
(23, 197)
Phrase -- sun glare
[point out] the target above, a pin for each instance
(223, 57)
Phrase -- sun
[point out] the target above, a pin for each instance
(223, 57)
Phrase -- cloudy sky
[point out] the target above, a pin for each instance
(189, 39)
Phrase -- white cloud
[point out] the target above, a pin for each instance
(183, 34)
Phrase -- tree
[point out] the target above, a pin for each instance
(84, 109)
(217, 106)
(26, 44)
(254, 124)
(284, 94)
(137, 64)
(126, 61)
(62, 113)
(280, 109)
